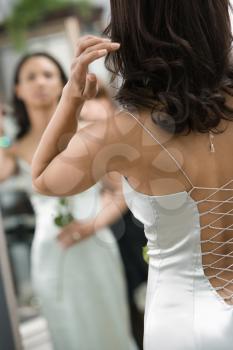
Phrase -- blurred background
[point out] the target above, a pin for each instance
(51, 25)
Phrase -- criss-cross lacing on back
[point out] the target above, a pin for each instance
(215, 207)
(216, 221)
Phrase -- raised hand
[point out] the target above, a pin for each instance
(81, 84)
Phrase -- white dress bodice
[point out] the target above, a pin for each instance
(183, 310)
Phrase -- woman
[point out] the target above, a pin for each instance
(81, 289)
(174, 150)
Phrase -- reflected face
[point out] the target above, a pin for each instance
(40, 84)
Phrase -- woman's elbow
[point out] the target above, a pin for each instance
(39, 180)
(39, 186)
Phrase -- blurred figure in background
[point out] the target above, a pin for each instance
(18, 221)
(76, 267)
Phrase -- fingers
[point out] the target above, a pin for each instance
(88, 41)
(80, 65)
(109, 46)
(94, 46)
(68, 238)
(95, 52)
(91, 87)
(84, 60)
(90, 48)
(83, 81)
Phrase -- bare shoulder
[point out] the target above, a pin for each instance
(114, 138)
(7, 163)
(14, 151)
(117, 127)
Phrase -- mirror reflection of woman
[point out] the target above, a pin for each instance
(76, 270)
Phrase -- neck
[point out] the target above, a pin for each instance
(39, 119)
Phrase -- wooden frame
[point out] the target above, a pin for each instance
(9, 326)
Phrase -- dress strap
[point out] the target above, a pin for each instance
(161, 145)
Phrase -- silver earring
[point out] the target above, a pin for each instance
(211, 138)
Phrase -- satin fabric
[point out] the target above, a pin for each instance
(183, 310)
(81, 290)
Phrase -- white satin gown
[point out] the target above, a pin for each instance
(82, 289)
(189, 303)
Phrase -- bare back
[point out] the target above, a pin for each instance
(202, 166)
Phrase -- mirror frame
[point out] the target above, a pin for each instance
(9, 325)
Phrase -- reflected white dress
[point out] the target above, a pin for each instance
(82, 289)
(189, 294)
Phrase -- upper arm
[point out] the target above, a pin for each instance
(93, 151)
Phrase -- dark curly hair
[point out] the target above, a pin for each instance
(20, 111)
(174, 59)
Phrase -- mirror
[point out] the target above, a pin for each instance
(57, 37)
(20, 221)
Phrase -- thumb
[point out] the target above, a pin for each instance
(91, 87)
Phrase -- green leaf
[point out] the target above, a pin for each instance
(58, 221)
(63, 220)
(67, 219)
(63, 201)
(145, 254)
